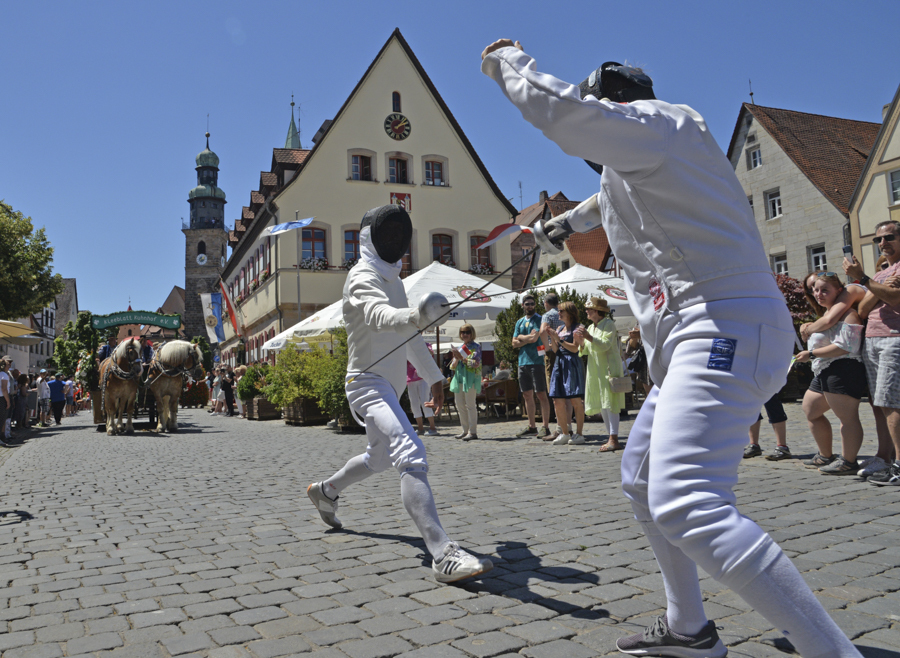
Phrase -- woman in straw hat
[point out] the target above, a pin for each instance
(601, 346)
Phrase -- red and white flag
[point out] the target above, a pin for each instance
(230, 306)
(501, 232)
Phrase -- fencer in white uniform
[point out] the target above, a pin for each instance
(378, 320)
(715, 327)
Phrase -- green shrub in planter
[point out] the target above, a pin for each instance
(252, 383)
(289, 379)
(327, 373)
(195, 394)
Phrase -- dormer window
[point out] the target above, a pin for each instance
(395, 101)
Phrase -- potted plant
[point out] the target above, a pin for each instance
(327, 374)
(313, 263)
(289, 385)
(250, 391)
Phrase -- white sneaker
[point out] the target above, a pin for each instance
(562, 440)
(327, 507)
(457, 564)
(871, 466)
(331, 424)
(576, 440)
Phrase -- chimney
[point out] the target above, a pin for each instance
(542, 196)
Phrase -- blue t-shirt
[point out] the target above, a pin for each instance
(528, 355)
(57, 386)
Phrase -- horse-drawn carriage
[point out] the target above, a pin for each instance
(130, 383)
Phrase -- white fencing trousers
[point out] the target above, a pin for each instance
(468, 410)
(392, 439)
(419, 393)
(721, 361)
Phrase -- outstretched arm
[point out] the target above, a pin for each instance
(844, 302)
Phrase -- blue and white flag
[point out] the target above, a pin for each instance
(212, 316)
(288, 226)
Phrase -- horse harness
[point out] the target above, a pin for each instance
(114, 369)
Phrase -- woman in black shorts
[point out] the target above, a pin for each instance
(839, 382)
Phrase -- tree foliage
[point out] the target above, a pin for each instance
(253, 382)
(27, 282)
(328, 378)
(291, 376)
(207, 353)
(792, 290)
(551, 272)
(75, 351)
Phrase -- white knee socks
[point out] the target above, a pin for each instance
(353, 471)
(611, 418)
(782, 596)
(419, 503)
(685, 601)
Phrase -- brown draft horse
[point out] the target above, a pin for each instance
(172, 361)
(119, 379)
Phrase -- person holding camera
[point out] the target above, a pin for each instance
(601, 346)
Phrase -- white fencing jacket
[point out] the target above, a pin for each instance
(378, 319)
(675, 214)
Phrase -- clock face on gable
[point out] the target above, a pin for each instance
(397, 126)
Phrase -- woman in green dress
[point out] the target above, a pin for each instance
(466, 382)
(601, 346)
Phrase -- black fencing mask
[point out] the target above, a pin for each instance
(619, 83)
(391, 231)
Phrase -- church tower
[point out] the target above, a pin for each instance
(205, 240)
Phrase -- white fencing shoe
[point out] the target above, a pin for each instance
(327, 507)
(457, 564)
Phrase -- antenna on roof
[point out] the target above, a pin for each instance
(750, 82)
(520, 195)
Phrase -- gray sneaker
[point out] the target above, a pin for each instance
(889, 477)
(752, 450)
(543, 432)
(327, 507)
(840, 466)
(659, 640)
(528, 431)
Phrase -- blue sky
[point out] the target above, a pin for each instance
(105, 103)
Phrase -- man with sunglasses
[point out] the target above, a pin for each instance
(532, 378)
(881, 353)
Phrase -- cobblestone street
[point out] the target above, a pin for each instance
(204, 543)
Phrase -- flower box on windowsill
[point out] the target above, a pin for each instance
(349, 263)
(443, 184)
(481, 268)
(314, 264)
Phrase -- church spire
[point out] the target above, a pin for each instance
(293, 135)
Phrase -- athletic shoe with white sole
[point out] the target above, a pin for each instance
(576, 440)
(327, 508)
(889, 477)
(871, 466)
(659, 640)
(431, 433)
(457, 564)
(561, 440)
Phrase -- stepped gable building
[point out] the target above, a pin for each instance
(876, 197)
(590, 249)
(799, 171)
(205, 241)
(394, 140)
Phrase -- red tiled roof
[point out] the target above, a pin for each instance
(529, 215)
(831, 152)
(267, 179)
(256, 197)
(290, 156)
(590, 249)
(246, 213)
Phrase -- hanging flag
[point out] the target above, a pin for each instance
(288, 226)
(500, 232)
(229, 306)
(212, 316)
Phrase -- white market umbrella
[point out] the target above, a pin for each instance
(456, 285)
(321, 322)
(593, 283)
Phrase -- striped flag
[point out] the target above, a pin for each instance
(226, 300)
(501, 232)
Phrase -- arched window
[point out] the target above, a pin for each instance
(395, 101)
(313, 243)
(442, 248)
(201, 247)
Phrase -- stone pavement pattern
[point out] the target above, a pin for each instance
(204, 544)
